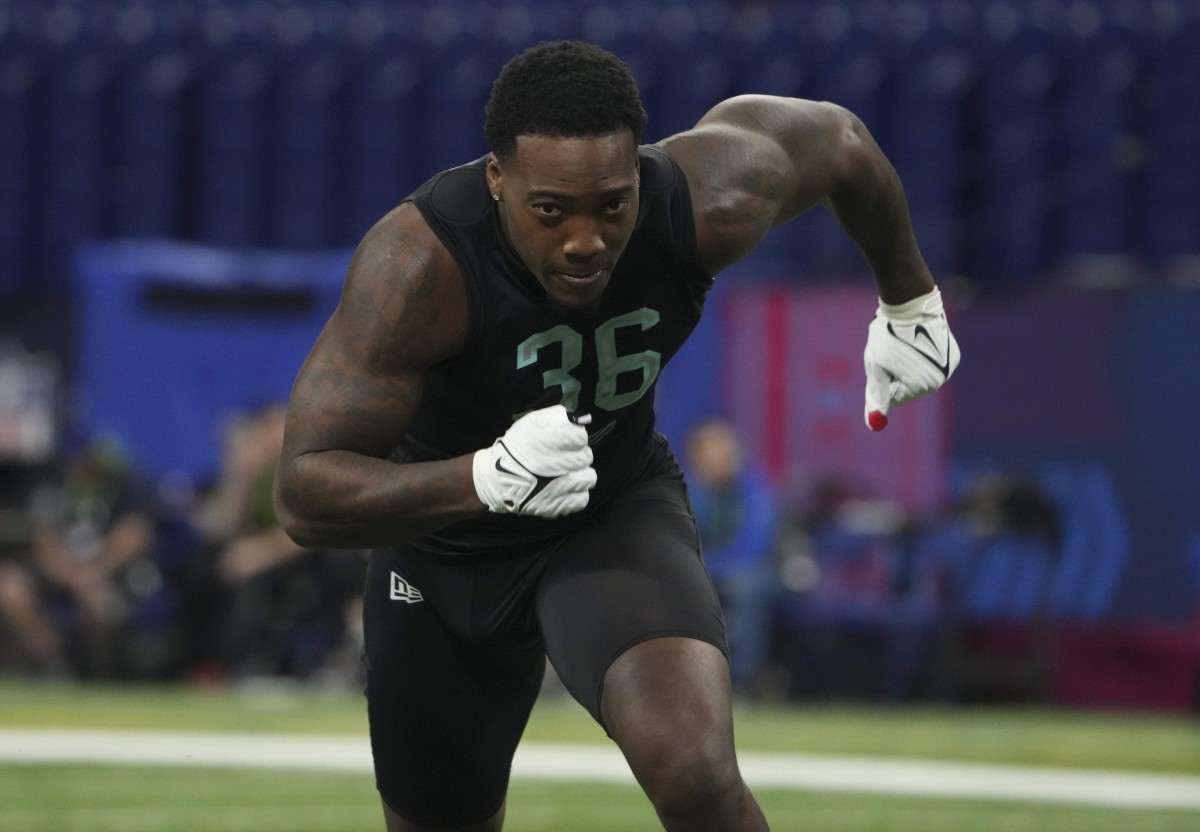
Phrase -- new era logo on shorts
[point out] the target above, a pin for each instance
(402, 590)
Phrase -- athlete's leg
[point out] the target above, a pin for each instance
(633, 626)
(445, 713)
(667, 703)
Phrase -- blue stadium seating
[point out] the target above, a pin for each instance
(934, 74)
(689, 72)
(847, 64)
(1171, 207)
(1100, 69)
(305, 147)
(18, 75)
(773, 55)
(460, 68)
(1016, 160)
(150, 135)
(385, 100)
(232, 204)
(1026, 132)
(74, 150)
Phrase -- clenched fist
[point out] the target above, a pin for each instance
(541, 466)
(910, 352)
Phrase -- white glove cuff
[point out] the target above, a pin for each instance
(483, 474)
(912, 310)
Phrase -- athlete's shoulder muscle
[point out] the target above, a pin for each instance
(403, 302)
(753, 162)
(403, 309)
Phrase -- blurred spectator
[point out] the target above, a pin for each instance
(849, 540)
(999, 548)
(71, 604)
(858, 611)
(268, 606)
(996, 502)
(736, 513)
(998, 554)
(877, 602)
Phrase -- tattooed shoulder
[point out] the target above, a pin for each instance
(403, 293)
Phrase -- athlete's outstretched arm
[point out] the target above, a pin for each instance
(756, 161)
(403, 308)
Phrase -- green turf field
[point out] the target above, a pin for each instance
(62, 798)
(100, 799)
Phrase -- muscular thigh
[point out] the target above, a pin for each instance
(447, 695)
(633, 575)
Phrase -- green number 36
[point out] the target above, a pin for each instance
(612, 365)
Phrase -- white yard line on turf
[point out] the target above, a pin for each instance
(546, 761)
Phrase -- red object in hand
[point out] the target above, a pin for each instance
(877, 420)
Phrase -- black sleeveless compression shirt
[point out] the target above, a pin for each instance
(525, 353)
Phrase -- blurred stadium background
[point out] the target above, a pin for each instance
(181, 184)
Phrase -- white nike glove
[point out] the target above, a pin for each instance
(541, 466)
(910, 352)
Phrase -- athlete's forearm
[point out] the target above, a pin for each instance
(348, 500)
(870, 205)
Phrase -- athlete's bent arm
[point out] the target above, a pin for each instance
(756, 161)
(403, 308)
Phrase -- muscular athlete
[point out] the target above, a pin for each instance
(479, 411)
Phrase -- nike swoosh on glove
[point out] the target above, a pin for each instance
(910, 352)
(541, 466)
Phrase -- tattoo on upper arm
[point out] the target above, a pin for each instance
(341, 406)
(396, 286)
(364, 382)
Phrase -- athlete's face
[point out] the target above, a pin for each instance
(568, 207)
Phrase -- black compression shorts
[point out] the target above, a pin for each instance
(456, 645)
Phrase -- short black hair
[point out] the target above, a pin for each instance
(562, 88)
